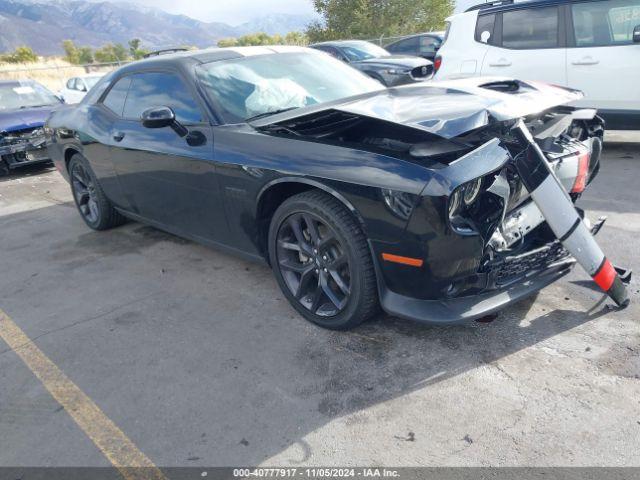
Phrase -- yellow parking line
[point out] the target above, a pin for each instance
(112, 442)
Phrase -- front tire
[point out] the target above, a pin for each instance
(95, 208)
(321, 260)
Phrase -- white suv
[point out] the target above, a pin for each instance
(593, 46)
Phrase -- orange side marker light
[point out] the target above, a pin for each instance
(412, 262)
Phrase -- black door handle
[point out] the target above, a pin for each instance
(118, 136)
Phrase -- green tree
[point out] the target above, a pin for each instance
(374, 18)
(135, 49)
(77, 55)
(120, 52)
(228, 42)
(255, 39)
(296, 38)
(85, 55)
(22, 54)
(72, 55)
(111, 53)
(261, 38)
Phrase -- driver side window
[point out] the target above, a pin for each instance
(155, 89)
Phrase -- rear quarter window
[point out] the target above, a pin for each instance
(530, 29)
(484, 29)
(114, 100)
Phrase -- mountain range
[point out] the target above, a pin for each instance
(44, 24)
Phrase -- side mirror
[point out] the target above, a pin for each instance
(636, 34)
(160, 117)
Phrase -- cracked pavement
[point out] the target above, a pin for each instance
(197, 357)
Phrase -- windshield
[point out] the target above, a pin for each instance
(363, 51)
(252, 86)
(91, 81)
(25, 95)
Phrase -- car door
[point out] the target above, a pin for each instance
(602, 59)
(529, 44)
(168, 179)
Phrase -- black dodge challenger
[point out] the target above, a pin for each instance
(358, 196)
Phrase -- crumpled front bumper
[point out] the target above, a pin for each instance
(25, 150)
(462, 309)
(506, 281)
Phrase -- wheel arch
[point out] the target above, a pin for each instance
(274, 193)
(69, 152)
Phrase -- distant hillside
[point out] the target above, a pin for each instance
(44, 24)
(276, 23)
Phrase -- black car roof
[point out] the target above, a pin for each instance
(506, 5)
(182, 58)
(196, 57)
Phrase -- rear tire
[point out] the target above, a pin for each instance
(93, 205)
(321, 260)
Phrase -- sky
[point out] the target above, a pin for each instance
(232, 12)
(235, 12)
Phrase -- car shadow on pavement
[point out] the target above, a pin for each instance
(27, 171)
(195, 353)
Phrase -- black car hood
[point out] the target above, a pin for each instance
(447, 109)
(395, 61)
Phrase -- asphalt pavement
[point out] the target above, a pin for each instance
(198, 359)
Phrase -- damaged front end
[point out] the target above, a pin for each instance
(483, 239)
(495, 246)
(23, 147)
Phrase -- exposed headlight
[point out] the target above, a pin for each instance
(454, 203)
(463, 197)
(471, 191)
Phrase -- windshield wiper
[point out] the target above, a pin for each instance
(267, 114)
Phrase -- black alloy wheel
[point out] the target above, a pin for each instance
(84, 192)
(314, 264)
(322, 262)
(95, 208)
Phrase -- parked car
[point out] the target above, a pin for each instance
(375, 61)
(424, 45)
(77, 87)
(24, 106)
(356, 195)
(592, 46)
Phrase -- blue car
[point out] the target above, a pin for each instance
(24, 107)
